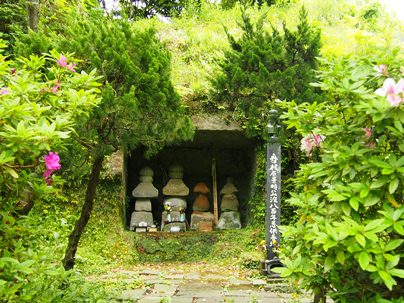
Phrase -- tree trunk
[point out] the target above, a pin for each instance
(320, 298)
(33, 14)
(74, 238)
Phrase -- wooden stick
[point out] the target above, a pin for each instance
(215, 204)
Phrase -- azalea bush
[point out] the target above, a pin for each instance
(348, 242)
(41, 99)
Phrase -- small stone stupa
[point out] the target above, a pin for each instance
(230, 216)
(201, 218)
(142, 218)
(173, 217)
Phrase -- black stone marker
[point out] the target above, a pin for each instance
(273, 194)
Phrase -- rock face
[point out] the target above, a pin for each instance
(142, 217)
(230, 217)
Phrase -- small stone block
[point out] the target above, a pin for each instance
(143, 205)
(205, 226)
(229, 220)
(176, 225)
(140, 229)
(175, 187)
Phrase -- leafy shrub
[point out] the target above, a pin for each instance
(348, 240)
(40, 103)
(29, 271)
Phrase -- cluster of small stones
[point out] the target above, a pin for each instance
(173, 217)
(230, 216)
(201, 218)
(142, 217)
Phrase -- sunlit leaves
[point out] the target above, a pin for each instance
(357, 179)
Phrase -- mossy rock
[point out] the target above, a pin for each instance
(192, 246)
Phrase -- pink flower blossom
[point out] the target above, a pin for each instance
(4, 91)
(394, 92)
(310, 141)
(62, 62)
(52, 162)
(381, 70)
(55, 88)
(368, 132)
(71, 67)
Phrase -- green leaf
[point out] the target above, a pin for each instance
(354, 202)
(329, 262)
(371, 200)
(397, 272)
(393, 244)
(364, 260)
(380, 163)
(393, 185)
(397, 214)
(379, 183)
(361, 240)
(398, 228)
(341, 256)
(387, 171)
(387, 279)
(11, 171)
(374, 224)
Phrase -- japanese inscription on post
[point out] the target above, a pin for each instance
(273, 194)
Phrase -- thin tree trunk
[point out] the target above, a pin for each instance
(74, 238)
(33, 14)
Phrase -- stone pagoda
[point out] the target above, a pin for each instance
(230, 216)
(201, 218)
(173, 217)
(142, 218)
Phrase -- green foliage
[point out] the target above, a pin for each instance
(40, 104)
(13, 19)
(135, 9)
(137, 91)
(262, 67)
(28, 272)
(348, 240)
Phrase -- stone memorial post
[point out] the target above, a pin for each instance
(273, 193)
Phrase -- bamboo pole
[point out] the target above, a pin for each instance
(215, 202)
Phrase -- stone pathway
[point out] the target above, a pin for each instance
(188, 285)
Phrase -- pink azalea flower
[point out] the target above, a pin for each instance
(71, 67)
(4, 91)
(394, 92)
(52, 162)
(381, 70)
(310, 141)
(368, 132)
(62, 61)
(55, 88)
